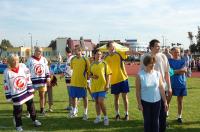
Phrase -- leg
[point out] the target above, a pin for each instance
(85, 104)
(162, 118)
(147, 116)
(116, 101)
(17, 113)
(42, 101)
(50, 96)
(155, 116)
(180, 105)
(31, 109)
(102, 105)
(125, 100)
(97, 106)
(68, 92)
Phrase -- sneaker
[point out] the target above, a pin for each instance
(117, 117)
(43, 113)
(68, 108)
(97, 120)
(19, 129)
(126, 118)
(28, 115)
(50, 110)
(106, 122)
(179, 120)
(72, 115)
(85, 117)
(36, 123)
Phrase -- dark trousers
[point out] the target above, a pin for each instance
(17, 112)
(162, 118)
(151, 113)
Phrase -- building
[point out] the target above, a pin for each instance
(133, 44)
(25, 52)
(86, 44)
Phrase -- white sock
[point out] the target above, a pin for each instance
(75, 110)
(117, 112)
(85, 111)
(105, 117)
(99, 116)
(126, 113)
(179, 116)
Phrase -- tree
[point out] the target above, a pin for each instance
(53, 44)
(4, 45)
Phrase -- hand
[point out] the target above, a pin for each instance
(140, 107)
(169, 92)
(166, 106)
(48, 82)
(106, 88)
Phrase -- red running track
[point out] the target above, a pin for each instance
(132, 70)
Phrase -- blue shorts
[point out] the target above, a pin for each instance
(179, 92)
(121, 87)
(96, 95)
(77, 92)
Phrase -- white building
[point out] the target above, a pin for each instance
(61, 44)
(136, 46)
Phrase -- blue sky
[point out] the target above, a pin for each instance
(98, 20)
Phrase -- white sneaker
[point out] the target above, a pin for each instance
(36, 123)
(106, 122)
(72, 115)
(85, 117)
(97, 120)
(19, 129)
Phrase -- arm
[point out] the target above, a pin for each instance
(181, 71)
(168, 81)
(133, 52)
(7, 88)
(162, 92)
(107, 82)
(28, 78)
(138, 92)
(47, 73)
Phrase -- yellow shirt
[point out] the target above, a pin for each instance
(116, 64)
(101, 69)
(80, 67)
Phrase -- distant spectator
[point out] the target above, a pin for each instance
(167, 53)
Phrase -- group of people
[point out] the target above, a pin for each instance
(158, 78)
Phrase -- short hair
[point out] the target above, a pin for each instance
(68, 50)
(153, 42)
(148, 60)
(37, 48)
(11, 58)
(109, 43)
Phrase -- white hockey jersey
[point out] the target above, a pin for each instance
(39, 71)
(17, 84)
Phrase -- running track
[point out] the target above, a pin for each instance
(132, 70)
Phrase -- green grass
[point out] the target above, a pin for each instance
(58, 121)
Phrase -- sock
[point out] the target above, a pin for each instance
(117, 112)
(179, 116)
(41, 110)
(99, 116)
(167, 113)
(105, 117)
(126, 113)
(85, 111)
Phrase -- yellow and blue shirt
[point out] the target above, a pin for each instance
(101, 69)
(80, 67)
(116, 64)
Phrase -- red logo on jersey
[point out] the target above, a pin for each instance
(39, 69)
(20, 83)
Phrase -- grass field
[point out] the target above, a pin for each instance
(57, 120)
